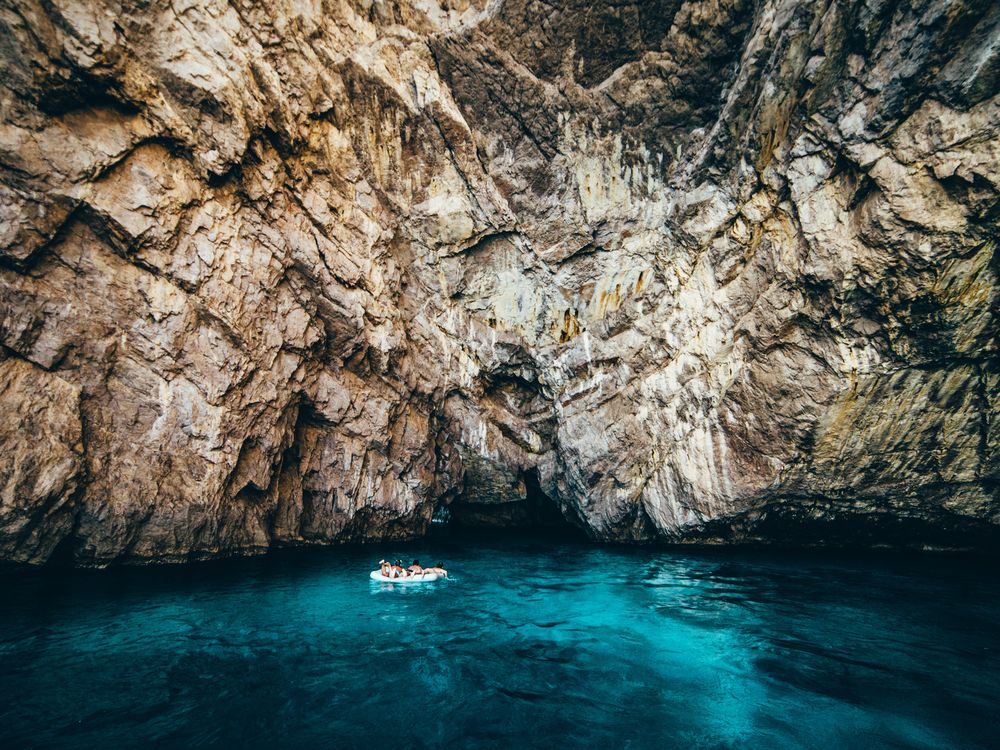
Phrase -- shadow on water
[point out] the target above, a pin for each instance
(537, 640)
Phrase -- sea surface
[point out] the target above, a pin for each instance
(533, 643)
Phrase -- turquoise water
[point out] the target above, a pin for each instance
(533, 644)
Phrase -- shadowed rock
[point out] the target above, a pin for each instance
(713, 270)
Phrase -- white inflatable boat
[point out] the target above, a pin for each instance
(417, 578)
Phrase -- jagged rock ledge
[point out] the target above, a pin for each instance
(278, 274)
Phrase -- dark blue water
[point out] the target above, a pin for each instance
(533, 644)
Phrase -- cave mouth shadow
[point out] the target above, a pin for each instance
(532, 513)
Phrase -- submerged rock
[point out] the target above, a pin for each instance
(715, 271)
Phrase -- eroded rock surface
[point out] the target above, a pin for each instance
(41, 461)
(293, 273)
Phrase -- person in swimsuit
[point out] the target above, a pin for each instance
(396, 569)
(439, 569)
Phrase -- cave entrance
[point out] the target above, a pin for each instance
(496, 501)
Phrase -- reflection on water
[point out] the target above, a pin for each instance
(532, 644)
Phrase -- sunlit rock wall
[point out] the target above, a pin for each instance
(300, 272)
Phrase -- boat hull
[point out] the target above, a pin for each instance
(420, 578)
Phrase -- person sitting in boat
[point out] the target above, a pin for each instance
(391, 570)
(415, 569)
(439, 569)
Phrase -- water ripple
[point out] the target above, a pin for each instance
(662, 649)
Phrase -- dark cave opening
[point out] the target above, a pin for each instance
(491, 505)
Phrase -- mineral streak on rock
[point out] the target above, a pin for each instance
(299, 272)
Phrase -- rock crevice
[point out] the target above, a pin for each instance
(709, 270)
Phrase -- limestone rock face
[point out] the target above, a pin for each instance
(301, 272)
(41, 461)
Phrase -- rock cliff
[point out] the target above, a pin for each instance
(307, 271)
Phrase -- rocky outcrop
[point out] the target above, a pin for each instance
(287, 273)
(41, 461)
